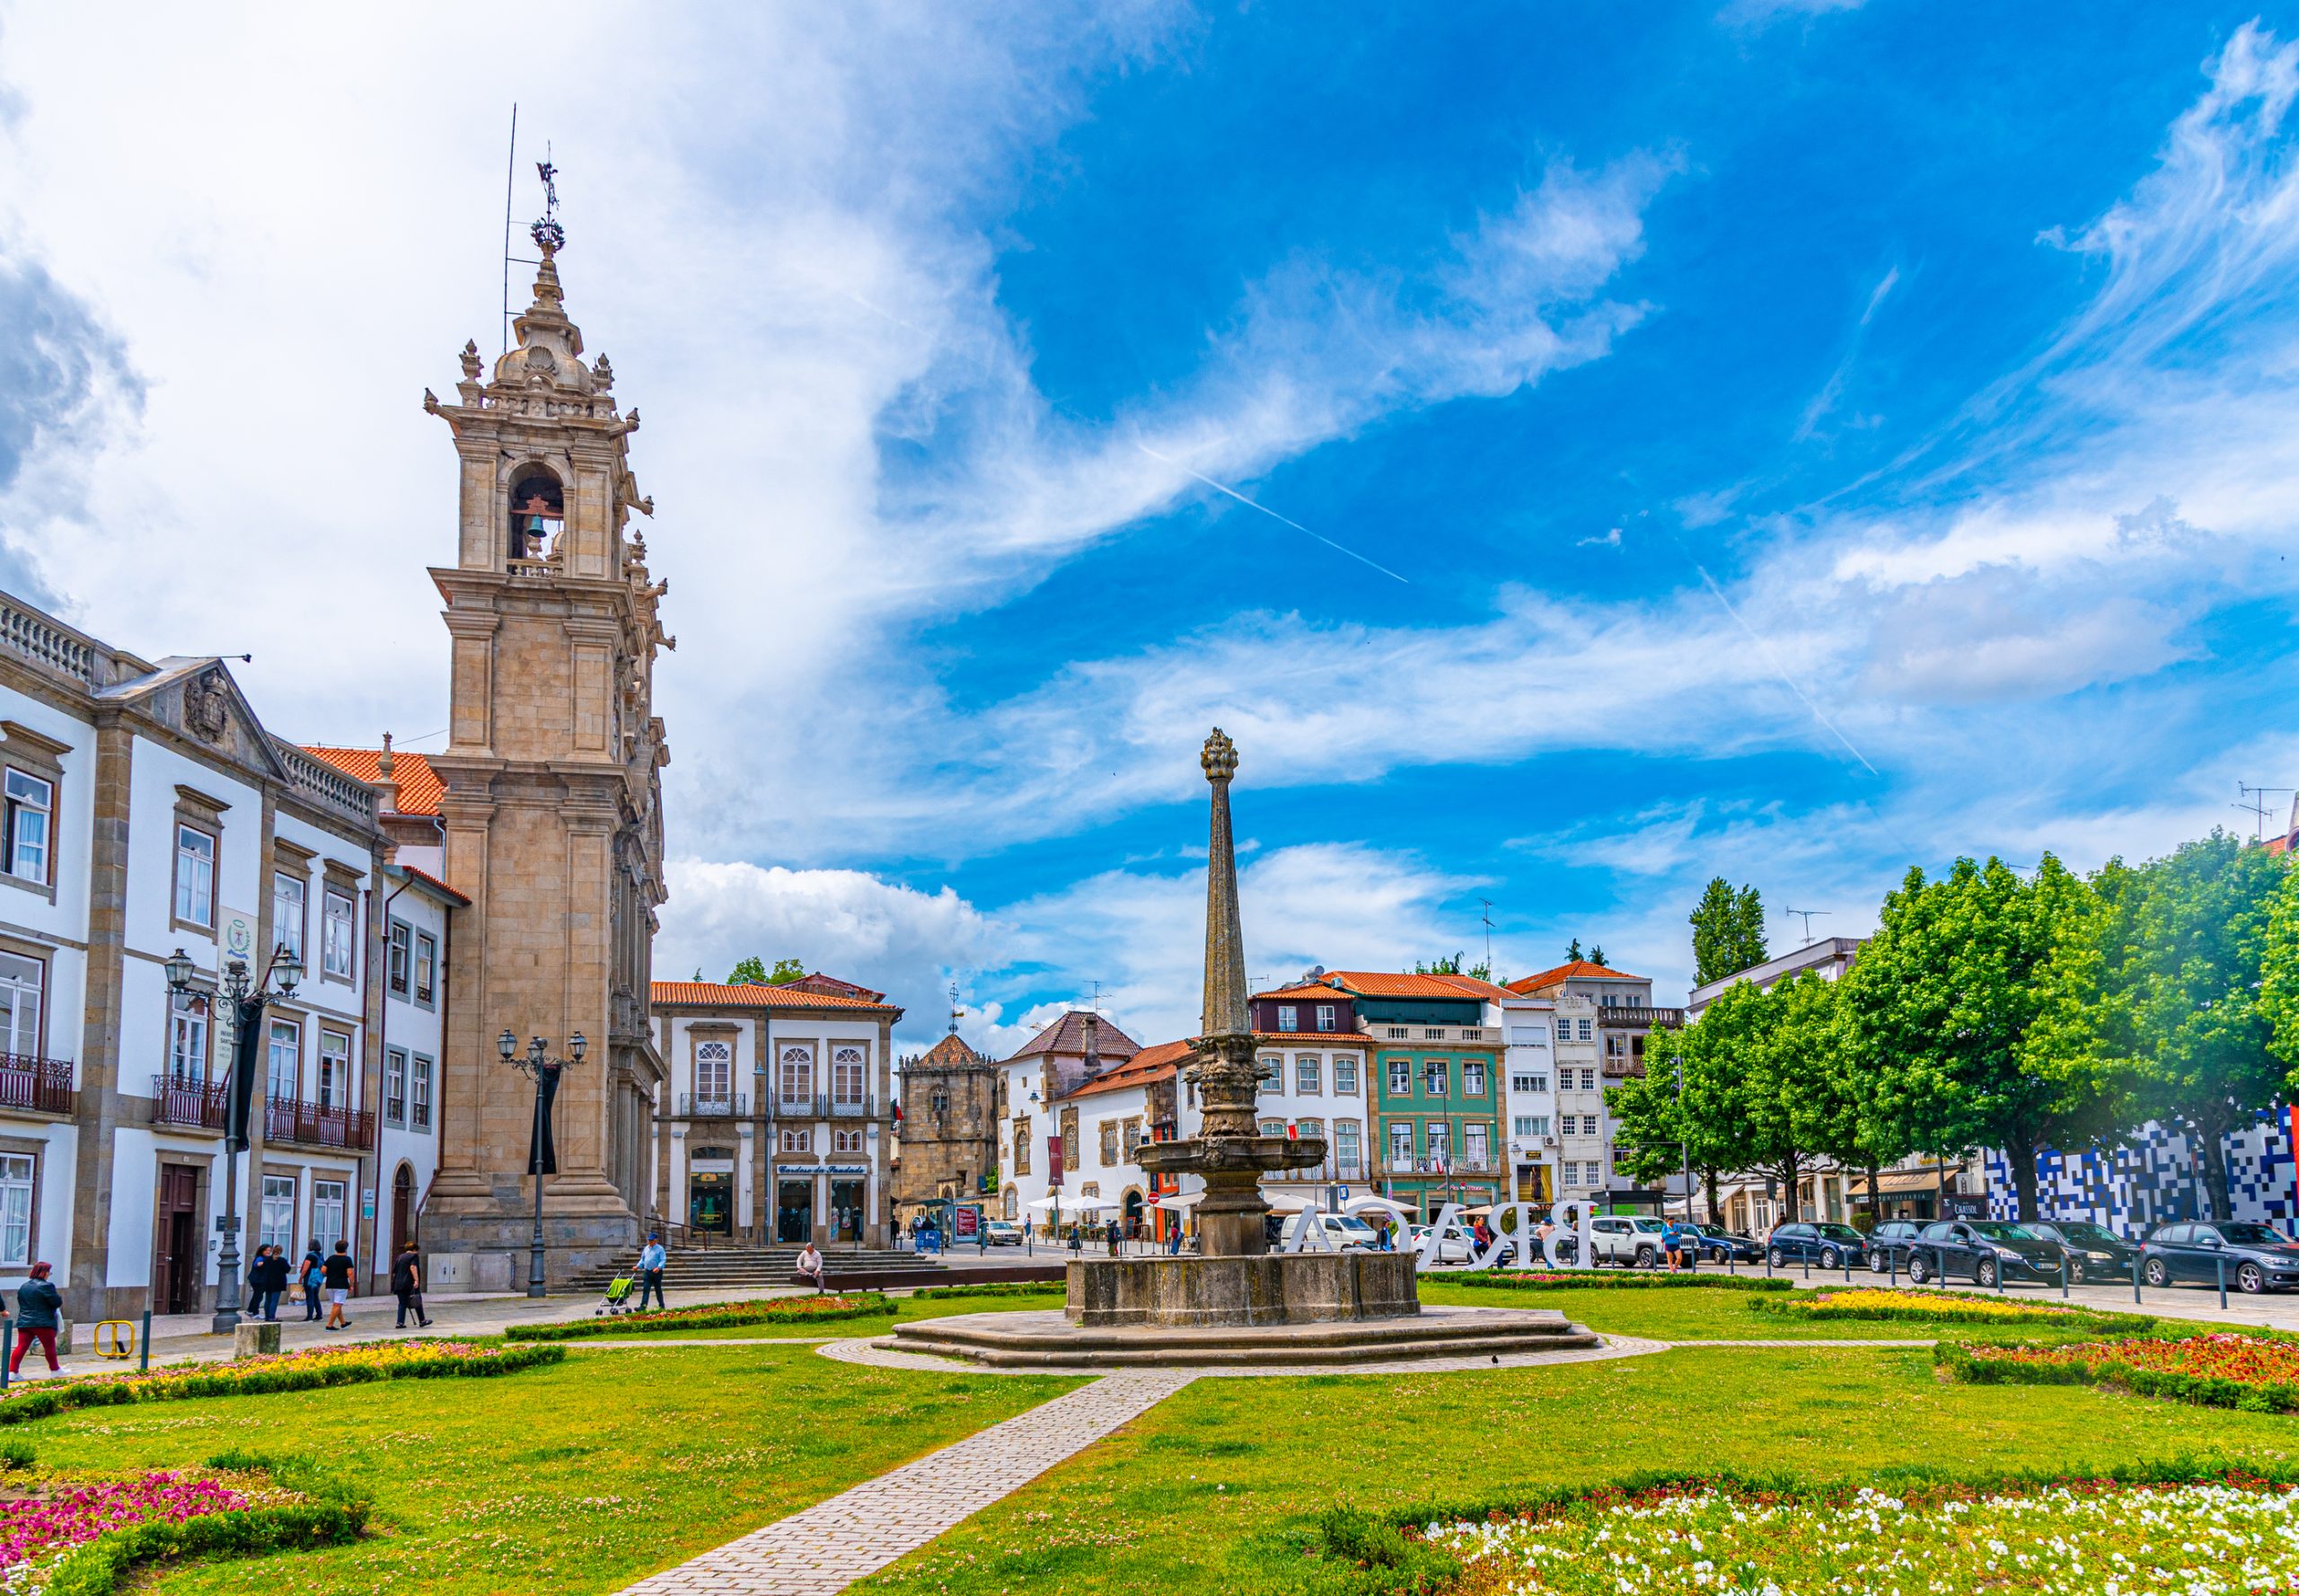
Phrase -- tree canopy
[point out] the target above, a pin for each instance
(1727, 931)
(753, 972)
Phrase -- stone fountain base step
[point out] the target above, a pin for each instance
(1049, 1340)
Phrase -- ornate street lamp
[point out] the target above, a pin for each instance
(248, 1000)
(544, 1070)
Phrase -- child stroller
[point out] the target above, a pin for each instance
(618, 1297)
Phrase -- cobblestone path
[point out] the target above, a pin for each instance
(829, 1545)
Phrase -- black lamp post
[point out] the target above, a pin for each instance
(248, 1000)
(544, 1070)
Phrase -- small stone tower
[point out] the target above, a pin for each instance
(553, 804)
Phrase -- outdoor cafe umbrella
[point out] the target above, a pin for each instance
(1075, 1205)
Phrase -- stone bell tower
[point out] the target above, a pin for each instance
(553, 804)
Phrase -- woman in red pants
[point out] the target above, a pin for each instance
(38, 1304)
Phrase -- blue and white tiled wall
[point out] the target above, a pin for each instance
(2154, 1179)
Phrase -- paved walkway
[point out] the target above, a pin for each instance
(829, 1545)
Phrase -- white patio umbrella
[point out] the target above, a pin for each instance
(1365, 1203)
(1074, 1205)
(1179, 1202)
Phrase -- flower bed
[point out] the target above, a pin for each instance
(2230, 1533)
(80, 1537)
(711, 1315)
(281, 1371)
(988, 1288)
(2257, 1372)
(1956, 1308)
(1587, 1280)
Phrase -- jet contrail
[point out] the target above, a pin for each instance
(1272, 514)
(1787, 681)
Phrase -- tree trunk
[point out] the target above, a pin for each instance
(1875, 1199)
(2212, 1138)
(1715, 1210)
(2022, 1160)
(1792, 1187)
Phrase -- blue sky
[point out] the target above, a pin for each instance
(1793, 441)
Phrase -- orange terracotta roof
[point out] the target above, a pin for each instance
(1149, 1064)
(419, 787)
(716, 994)
(1303, 989)
(434, 882)
(950, 1053)
(1391, 984)
(1579, 969)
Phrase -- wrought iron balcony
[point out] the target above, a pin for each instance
(317, 1125)
(181, 1102)
(829, 1106)
(41, 1085)
(713, 1105)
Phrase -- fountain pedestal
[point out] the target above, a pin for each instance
(1275, 1288)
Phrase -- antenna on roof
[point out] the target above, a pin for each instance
(2257, 805)
(1809, 915)
(1097, 997)
(1488, 937)
(510, 175)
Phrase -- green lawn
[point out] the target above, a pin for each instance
(1215, 1488)
(571, 1479)
(907, 1307)
(1660, 1313)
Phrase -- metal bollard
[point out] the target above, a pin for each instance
(7, 1348)
(144, 1346)
(1892, 1263)
(2065, 1269)
(2222, 1261)
(1808, 1267)
(1999, 1277)
(2135, 1277)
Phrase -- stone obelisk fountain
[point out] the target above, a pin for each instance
(1234, 1278)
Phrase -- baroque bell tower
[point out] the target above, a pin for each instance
(553, 804)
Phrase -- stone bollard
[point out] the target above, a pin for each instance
(255, 1340)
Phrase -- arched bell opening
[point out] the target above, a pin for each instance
(537, 513)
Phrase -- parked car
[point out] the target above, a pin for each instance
(1830, 1246)
(2093, 1251)
(1348, 1233)
(1630, 1239)
(1718, 1244)
(2258, 1258)
(1002, 1232)
(1452, 1249)
(1889, 1244)
(1987, 1250)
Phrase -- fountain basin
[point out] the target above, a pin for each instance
(1307, 1287)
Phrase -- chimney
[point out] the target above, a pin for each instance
(1093, 1045)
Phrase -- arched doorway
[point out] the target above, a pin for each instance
(1134, 1207)
(402, 1209)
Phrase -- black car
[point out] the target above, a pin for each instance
(1889, 1244)
(1717, 1245)
(1987, 1250)
(1830, 1246)
(2257, 1257)
(2093, 1251)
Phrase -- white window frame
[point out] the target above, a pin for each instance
(427, 970)
(335, 1071)
(19, 1186)
(1347, 1152)
(30, 809)
(338, 942)
(1309, 1075)
(714, 1071)
(399, 960)
(419, 1105)
(26, 1004)
(1325, 1017)
(282, 1061)
(1344, 1074)
(1473, 1077)
(1400, 1078)
(276, 1212)
(1288, 1017)
(191, 1016)
(330, 1201)
(394, 1086)
(195, 882)
(291, 897)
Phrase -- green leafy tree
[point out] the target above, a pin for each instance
(1656, 1133)
(753, 972)
(2182, 961)
(1727, 931)
(1573, 955)
(1960, 1006)
(1596, 953)
(2280, 976)
(1444, 964)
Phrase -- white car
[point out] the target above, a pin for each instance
(1349, 1233)
(1002, 1232)
(1452, 1249)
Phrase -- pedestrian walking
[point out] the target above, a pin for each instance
(308, 1276)
(270, 1280)
(1173, 1239)
(651, 1258)
(335, 1272)
(407, 1285)
(38, 1304)
(1113, 1236)
(810, 1266)
(255, 1278)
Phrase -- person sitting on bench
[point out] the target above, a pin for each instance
(810, 1266)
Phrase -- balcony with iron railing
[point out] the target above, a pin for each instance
(30, 1084)
(188, 1104)
(1464, 1165)
(713, 1105)
(829, 1106)
(317, 1125)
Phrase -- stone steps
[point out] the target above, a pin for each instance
(1046, 1340)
